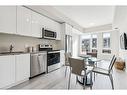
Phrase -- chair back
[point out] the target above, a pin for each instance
(111, 61)
(111, 64)
(76, 65)
(67, 55)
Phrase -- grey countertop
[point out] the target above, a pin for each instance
(12, 53)
(21, 52)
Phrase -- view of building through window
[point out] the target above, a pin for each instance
(106, 40)
(85, 44)
(94, 41)
(88, 42)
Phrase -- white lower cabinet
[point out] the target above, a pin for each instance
(22, 63)
(14, 69)
(7, 70)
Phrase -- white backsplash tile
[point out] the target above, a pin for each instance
(20, 43)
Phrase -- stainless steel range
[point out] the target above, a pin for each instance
(53, 57)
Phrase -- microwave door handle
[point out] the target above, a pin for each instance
(55, 35)
(43, 32)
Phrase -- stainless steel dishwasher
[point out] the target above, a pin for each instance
(38, 63)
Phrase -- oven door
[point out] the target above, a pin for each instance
(53, 58)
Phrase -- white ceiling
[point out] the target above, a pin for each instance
(88, 16)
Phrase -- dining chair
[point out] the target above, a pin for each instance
(67, 55)
(78, 67)
(108, 71)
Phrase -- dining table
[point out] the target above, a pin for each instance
(90, 62)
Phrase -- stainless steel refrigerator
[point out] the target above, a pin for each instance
(68, 44)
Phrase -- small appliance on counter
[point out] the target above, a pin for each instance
(30, 49)
(53, 57)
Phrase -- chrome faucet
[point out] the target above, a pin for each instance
(11, 48)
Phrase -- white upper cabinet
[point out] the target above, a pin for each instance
(56, 27)
(22, 62)
(23, 21)
(44, 22)
(8, 19)
(50, 25)
(68, 29)
(7, 70)
(36, 28)
(58, 30)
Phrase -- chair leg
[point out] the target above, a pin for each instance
(84, 82)
(91, 81)
(111, 79)
(94, 72)
(69, 80)
(76, 79)
(94, 76)
(65, 71)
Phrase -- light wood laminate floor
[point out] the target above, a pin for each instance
(57, 80)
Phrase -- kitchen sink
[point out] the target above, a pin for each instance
(12, 53)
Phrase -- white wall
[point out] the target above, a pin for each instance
(75, 42)
(21, 42)
(99, 28)
(114, 45)
(120, 22)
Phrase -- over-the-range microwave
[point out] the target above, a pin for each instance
(48, 34)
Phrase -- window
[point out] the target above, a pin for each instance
(106, 43)
(88, 43)
(85, 44)
(94, 41)
(106, 40)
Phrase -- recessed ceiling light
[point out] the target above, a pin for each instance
(91, 24)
